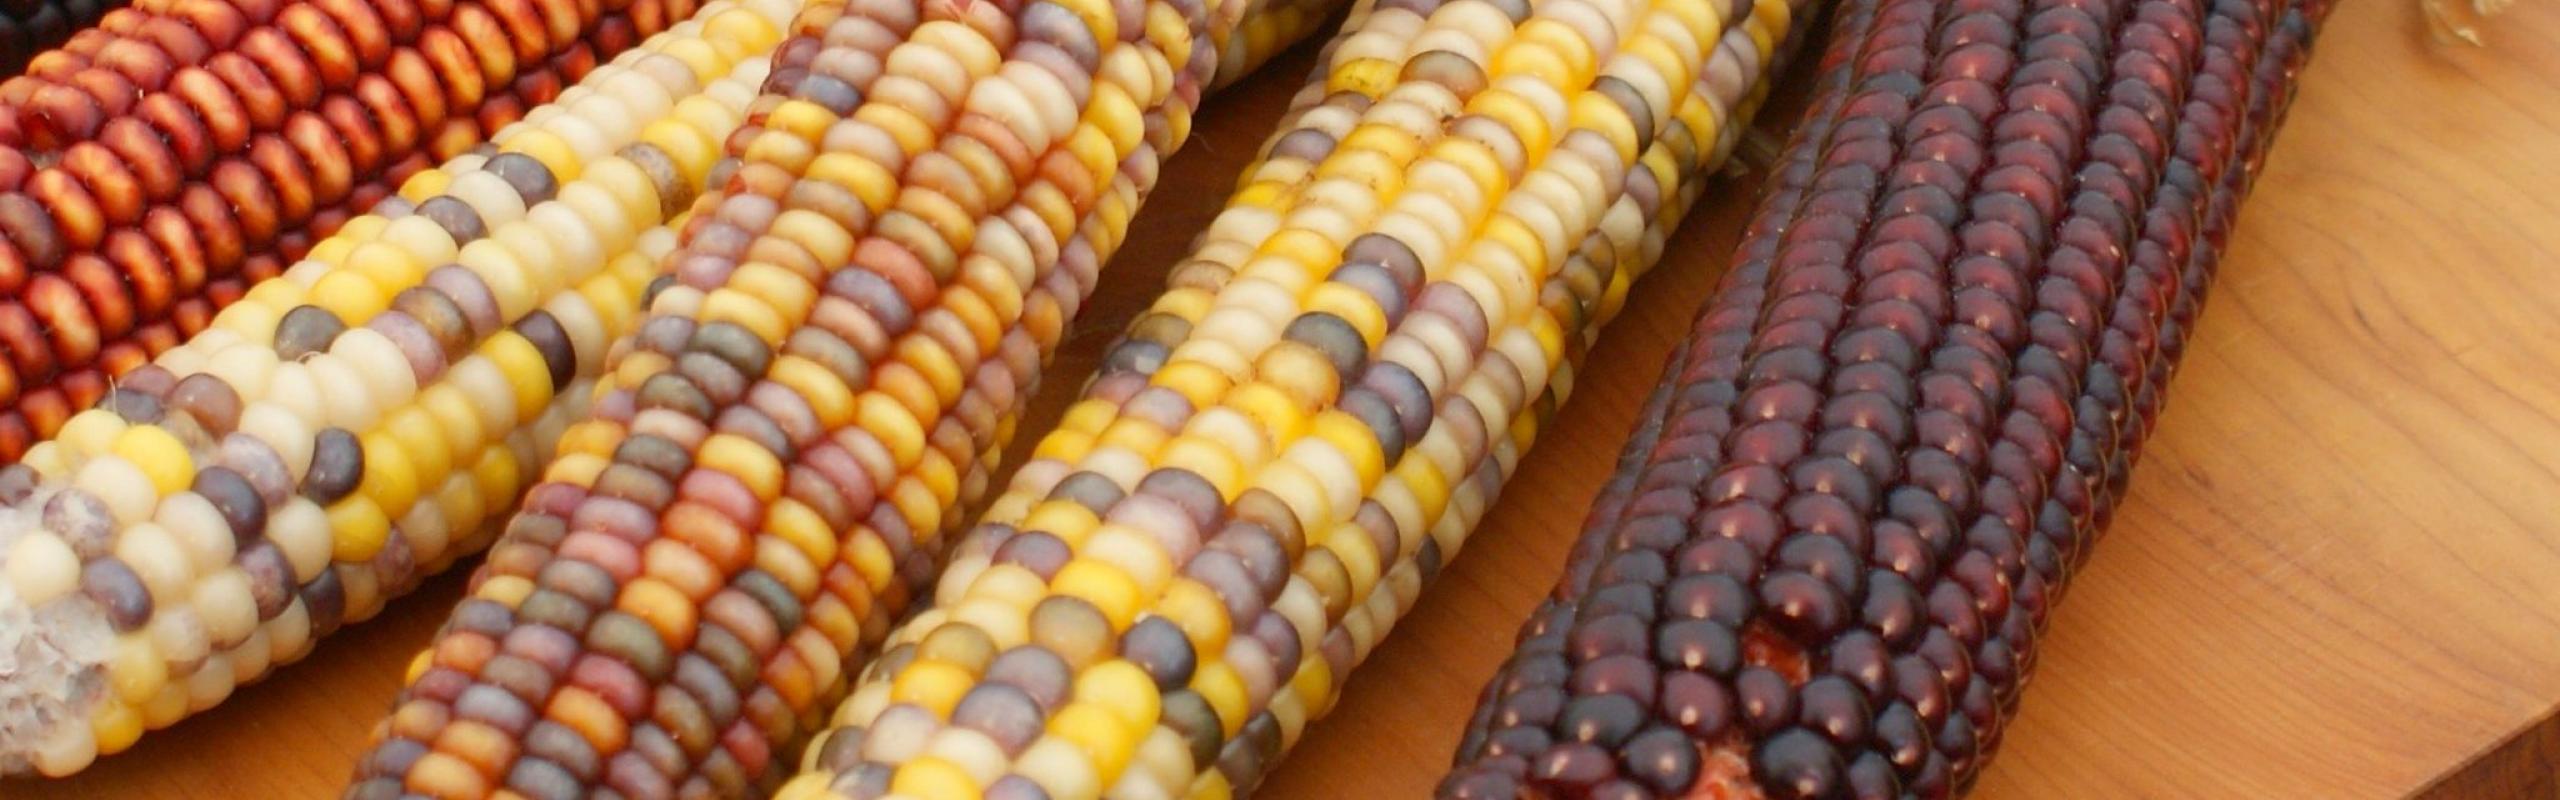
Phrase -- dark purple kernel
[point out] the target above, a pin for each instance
(1836, 708)
(1765, 699)
(1573, 767)
(1663, 759)
(1899, 734)
(1805, 606)
(337, 465)
(1871, 777)
(1617, 635)
(1628, 675)
(1798, 763)
(118, 591)
(1603, 719)
(1700, 705)
(1698, 645)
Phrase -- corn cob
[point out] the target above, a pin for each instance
(345, 429)
(1764, 606)
(146, 177)
(27, 27)
(1357, 405)
(649, 664)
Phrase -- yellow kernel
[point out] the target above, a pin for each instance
(350, 295)
(117, 725)
(935, 686)
(742, 458)
(358, 529)
(930, 778)
(1065, 519)
(1109, 590)
(544, 146)
(1100, 734)
(1218, 683)
(1370, 77)
(161, 456)
(1122, 688)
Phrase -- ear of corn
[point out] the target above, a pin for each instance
(349, 426)
(1824, 565)
(160, 163)
(909, 220)
(27, 27)
(1281, 451)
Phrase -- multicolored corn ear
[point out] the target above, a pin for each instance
(350, 426)
(154, 167)
(903, 230)
(1899, 424)
(1281, 451)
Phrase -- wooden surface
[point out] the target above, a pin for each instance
(2338, 575)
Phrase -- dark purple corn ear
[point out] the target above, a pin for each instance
(1908, 410)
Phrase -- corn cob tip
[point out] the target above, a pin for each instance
(53, 655)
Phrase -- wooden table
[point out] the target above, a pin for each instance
(2338, 575)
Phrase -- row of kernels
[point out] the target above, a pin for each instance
(67, 321)
(1318, 160)
(876, 633)
(185, 256)
(1265, 29)
(41, 409)
(213, 27)
(267, 67)
(163, 270)
(444, 215)
(2147, 334)
(1251, 217)
(148, 158)
(406, 458)
(454, 306)
(272, 179)
(1327, 458)
(778, 143)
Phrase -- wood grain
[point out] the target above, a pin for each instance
(2338, 575)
